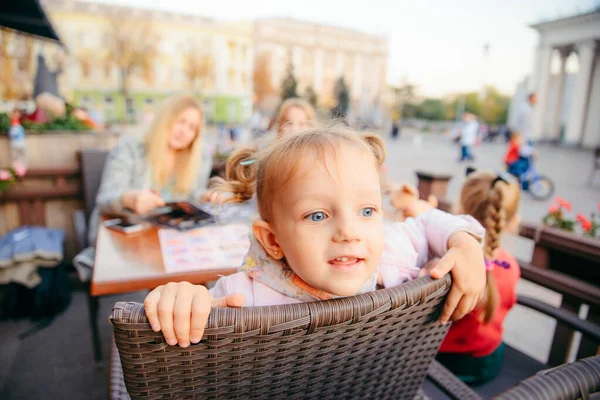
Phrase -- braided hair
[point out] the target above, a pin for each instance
(493, 202)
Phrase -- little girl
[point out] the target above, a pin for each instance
(473, 348)
(321, 235)
(294, 115)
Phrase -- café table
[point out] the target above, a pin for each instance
(132, 262)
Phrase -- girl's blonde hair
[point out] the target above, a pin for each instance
(264, 172)
(281, 118)
(157, 142)
(493, 202)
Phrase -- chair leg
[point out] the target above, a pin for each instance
(93, 304)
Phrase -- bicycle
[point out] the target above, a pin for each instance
(540, 187)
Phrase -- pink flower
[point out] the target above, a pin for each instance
(586, 225)
(553, 208)
(5, 175)
(598, 206)
(19, 168)
(564, 204)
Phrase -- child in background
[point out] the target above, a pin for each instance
(321, 235)
(518, 158)
(294, 115)
(473, 349)
(468, 136)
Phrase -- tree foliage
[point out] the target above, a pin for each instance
(132, 47)
(492, 109)
(263, 86)
(289, 85)
(343, 99)
(311, 96)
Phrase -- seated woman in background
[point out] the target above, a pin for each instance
(169, 163)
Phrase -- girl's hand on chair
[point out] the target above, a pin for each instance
(465, 259)
(181, 310)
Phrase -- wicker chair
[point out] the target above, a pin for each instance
(91, 162)
(376, 345)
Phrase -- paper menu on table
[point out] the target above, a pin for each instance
(211, 247)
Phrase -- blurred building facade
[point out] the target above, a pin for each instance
(320, 55)
(568, 103)
(216, 60)
(181, 52)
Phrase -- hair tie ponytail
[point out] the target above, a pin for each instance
(377, 147)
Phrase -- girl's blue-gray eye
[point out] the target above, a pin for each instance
(317, 216)
(367, 211)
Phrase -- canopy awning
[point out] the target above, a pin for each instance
(27, 16)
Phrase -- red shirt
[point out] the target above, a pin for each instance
(470, 335)
(512, 154)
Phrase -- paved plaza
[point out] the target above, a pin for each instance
(57, 361)
(570, 170)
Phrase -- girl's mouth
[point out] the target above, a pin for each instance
(345, 261)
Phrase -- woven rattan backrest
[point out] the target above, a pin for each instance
(577, 380)
(375, 345)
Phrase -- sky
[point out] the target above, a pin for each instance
(435, 44)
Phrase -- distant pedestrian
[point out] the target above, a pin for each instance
(395, 130)
(524, 123)
(468, 136)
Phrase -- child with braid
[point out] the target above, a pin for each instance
(321, 235)
(473, 348)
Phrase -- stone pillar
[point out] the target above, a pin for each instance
(579, 105)
(554, 128)
(542, 76)
(591, 135)
(318, 73)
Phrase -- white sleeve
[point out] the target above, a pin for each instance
(430, 232)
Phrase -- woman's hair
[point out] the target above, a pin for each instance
(493, 202)
(264, 172)
(157, 141)
(281, 118)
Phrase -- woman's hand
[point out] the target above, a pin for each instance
(181, 310)
(465, 259)
(141, 201)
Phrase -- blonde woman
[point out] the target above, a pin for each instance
(168, 164)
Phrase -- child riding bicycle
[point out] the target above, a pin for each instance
(518, 158)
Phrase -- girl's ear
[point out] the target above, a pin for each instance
(265, 235)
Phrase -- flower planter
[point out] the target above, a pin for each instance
(57, 149)
(563, 251)
(50, 192)
(574, 255)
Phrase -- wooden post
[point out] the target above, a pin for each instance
(435, 184)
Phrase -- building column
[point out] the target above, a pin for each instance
(591, 135)
(554, 128)
(541, 79)
(586, 52)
